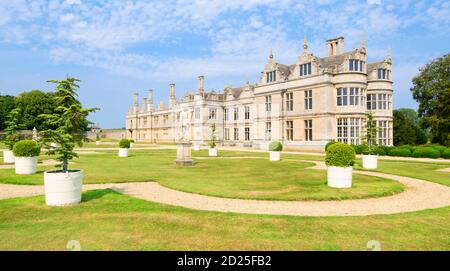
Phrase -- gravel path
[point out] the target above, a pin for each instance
(418, 195)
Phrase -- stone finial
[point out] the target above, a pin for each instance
(363, 44)
(305, 43)
(172, 91)
(388, 58)
(201, 80)
(270, 55)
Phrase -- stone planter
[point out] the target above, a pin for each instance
(370, 161)
(97, 142)
(339, 177)
(184, 154)
(196, 147)
(63, 188)
(274, 155)
(8, 157)
(212, 152)
(123, 152)
(25, 165)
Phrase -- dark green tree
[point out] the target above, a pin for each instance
(6, 105)
(407, 128)
(431, 89)
(70, 120)
(32, 104)
(13, 127)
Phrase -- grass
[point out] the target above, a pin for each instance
(222, 177)
(107, 220)
(420, 170)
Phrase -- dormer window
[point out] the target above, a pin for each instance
(383, 74)
(356, 65)
(305, 69)
(271, 76)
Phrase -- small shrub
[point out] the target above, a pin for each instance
(446, 153)
(426, 152)
(275, 146)
(359, 148)
(386, 149)
(26, 148)
(340, 155)
(124, 143)
(403, 152)
(329, 144)
(131, 140)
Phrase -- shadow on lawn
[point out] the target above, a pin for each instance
(96, 194)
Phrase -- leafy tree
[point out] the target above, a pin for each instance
(6, 105)
(70, 118)
(407, 128)
(431, 89)
(13, 126)
(369, 137)
(32, 104)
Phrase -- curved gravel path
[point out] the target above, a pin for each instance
(418, 195)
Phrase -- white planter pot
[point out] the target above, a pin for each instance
(370, 161)
(8, 157)
(339, 177)
(131, 145)
(63, 188)
(26, 165)
(123, 152)
(212, 152)
(274, 155)
(97, 142)
(196, 147)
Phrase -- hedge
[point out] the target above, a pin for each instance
(26, 148)
(340, 155)
(446, 153)
(426, 152)
(404, 152)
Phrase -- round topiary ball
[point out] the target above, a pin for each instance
(26, 148)
(329, 144)
(340, 155)
(275, 146)
(124, 144)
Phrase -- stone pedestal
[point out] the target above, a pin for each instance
(184, 154)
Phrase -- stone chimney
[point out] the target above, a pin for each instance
(145, 105)
(335, 46)
(172, 95)
(150, 100)
(136, 103)
(201, 82)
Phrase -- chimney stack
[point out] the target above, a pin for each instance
(136, 102)
(145, 106)
(335, 46)
(150, 100)
(201, 89)
(172, 91)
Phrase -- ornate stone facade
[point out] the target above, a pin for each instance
(305, 104)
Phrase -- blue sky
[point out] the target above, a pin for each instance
(120, 47)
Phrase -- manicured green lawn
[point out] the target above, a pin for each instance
(255, 178)
(420, 170)
(107, 220)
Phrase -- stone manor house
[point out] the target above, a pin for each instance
(303, 105)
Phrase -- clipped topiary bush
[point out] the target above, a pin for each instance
(340, 155)
(446, 153)
(275, 146)
(426, 152)
(131, 140)
(124, 144)
(409, 147)
(403, 152)
(26, 148)
(386, 149)
(329, 144)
